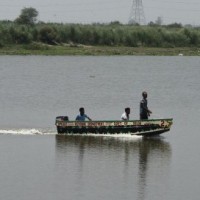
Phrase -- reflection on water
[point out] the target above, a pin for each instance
(147, 151)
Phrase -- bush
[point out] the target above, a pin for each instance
(19, 35)
(47, 34)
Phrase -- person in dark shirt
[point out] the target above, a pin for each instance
(144, 110)
(82, 116)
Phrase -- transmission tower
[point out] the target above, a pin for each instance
(137, 13)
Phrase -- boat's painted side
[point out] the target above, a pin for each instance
(133, 127)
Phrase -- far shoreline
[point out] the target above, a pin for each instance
(84, 50)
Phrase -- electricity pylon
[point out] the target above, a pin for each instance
(137, 13)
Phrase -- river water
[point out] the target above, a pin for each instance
(38, 164)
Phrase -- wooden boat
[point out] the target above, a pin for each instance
(133, 127)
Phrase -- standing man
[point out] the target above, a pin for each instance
(125, 115)
(82, 116)
(144, 111)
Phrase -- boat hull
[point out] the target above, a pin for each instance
(135, 127)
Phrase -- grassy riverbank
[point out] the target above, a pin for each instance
(44, 49)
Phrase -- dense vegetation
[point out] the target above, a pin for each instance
(98, 34)
(25, 30)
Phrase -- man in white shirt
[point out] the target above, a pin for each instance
(125, 115)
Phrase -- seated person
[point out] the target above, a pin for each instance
(125, 115)
(82, 116)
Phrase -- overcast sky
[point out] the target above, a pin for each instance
(103, 11)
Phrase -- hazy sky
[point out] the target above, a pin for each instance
(89, 11)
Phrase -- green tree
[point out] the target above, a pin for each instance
(28, 16)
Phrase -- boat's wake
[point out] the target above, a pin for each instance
(26, 131)
(35, 131)
(40, 131)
